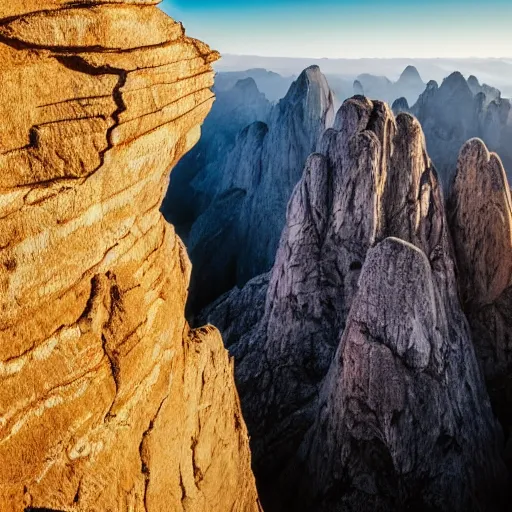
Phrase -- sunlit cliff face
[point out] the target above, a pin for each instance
(107, 399)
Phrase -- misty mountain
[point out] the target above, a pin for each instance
(239, 197)
(459, 110)
(497, 72)
(272, 85)
(232, 111)
(409, 85)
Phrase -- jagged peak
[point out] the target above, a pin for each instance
(310, 77)
(400, 105)
(432, 84)
(473, 80)
(312, 94)
(455, 82)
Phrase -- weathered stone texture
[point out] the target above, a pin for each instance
(108, 401)
(385, 418)
(481, 224)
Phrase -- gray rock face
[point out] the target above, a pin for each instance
(452, 113)
(404, 422)
(237, 312)
(481, 224)
(371, 179)
(400, 105)
(266, 162)
(491, 93)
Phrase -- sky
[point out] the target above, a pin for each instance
(350, 28)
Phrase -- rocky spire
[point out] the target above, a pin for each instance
(266, 162)
(396, 425)
(474, 84)
(481, 224)
(108, 400)
(371, 179)
(400, 105)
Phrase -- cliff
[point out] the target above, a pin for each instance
(357, 374)
(481, 224)
(266, 162)
(108, 400)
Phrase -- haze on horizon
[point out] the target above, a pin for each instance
(350, 28)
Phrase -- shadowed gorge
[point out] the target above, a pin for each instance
(251, 184)
(108, 400)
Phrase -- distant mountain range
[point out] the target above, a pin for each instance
(497, 72)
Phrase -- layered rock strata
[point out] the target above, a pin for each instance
(108, 400)
(384, 419)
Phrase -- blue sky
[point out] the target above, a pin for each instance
(350, 28)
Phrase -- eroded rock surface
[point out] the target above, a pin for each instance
(108, 401)
(404, 422)
(371, 179)
(481, 223)
(266, 162)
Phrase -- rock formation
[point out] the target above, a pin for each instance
(266, 163)
(400, 105)
(451, 114)
(109, 401)
(389, 421)
(481, 223)
(490, 93)
(195, 181)
(404, 421)
(358, 88)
